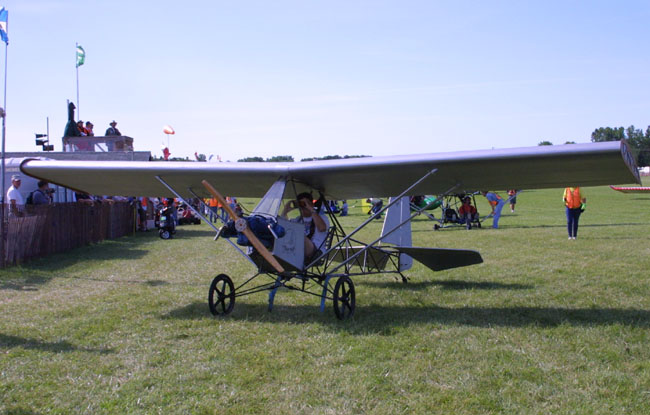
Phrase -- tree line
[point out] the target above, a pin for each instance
(638, 139)
(277, 159)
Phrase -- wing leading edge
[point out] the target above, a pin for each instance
(525, 168)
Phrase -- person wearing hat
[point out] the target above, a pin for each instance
(112, 130)
(14, 198)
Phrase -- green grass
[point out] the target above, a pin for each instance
(544, 325)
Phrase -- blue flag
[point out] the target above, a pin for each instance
(4, 15)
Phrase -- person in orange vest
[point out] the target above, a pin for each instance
(213, 209)
(496, 203)
(575, 202)
(467, 212)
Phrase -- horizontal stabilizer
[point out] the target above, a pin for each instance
(439, 259)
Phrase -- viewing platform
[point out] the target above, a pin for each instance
(98, 143)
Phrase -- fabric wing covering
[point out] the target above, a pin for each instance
(537, 167)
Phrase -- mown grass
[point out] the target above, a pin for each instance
(544, 325)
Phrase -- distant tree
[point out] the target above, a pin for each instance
(545, 143)
(200, 157)
(276, 159)
(335, 157)
(638, 140)
(249, 159)
(155, 158)
(607, 134)
(570, 142)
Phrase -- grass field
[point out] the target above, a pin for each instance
(544, 325)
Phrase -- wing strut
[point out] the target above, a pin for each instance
(206, 220)
(242, 226)
(370, 219)
(370, 245)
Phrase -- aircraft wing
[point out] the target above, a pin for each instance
(632, 189)
(519, 168)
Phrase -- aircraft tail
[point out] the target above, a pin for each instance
(398, 236)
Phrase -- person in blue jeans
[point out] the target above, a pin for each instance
(496, 203)
(575, 201)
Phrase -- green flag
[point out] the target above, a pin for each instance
(81, 56)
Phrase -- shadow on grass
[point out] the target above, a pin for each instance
(381, 319)
(448, 285)
(183, 233)
(590, 225)
(30, 283)
(8, 341)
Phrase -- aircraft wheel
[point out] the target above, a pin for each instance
(344, 298)
(436, 227)
(164, 234)
(478, 224)
(221, 298)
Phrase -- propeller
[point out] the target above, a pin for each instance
(242, 226)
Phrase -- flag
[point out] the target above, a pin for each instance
(81, 56)
(4, 16)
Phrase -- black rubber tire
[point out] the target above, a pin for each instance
(221, 297)
(164, 234)
(344, 298)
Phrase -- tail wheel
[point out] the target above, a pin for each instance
(164, 234)
(221, 298)
(344, 298)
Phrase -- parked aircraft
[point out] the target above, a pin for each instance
(328, 275)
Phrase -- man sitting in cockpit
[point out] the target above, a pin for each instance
(316, 224)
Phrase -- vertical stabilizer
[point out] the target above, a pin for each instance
(395, 215)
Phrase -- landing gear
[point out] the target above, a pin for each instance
(164, 234)
(344, 298)
(221, 298)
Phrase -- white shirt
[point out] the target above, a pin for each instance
(318, 237)
(14, 194)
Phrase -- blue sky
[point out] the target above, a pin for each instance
(312, 78)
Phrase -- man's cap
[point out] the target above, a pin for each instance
(16, 177)
(112, 122)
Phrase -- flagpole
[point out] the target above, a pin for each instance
(76, 48)
(3, 114)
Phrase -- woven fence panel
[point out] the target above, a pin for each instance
(44, 230)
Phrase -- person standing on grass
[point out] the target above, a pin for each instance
(512, 196)
(14, 198)
(575, 201)
(42, 195)
(496, 203)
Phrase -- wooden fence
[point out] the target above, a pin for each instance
(45, 230)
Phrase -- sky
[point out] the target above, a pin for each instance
(315, 78)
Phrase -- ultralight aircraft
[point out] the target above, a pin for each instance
(280, 263)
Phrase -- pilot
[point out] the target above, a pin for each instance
(316, 224)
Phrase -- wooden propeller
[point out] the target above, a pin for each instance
(242, 226)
